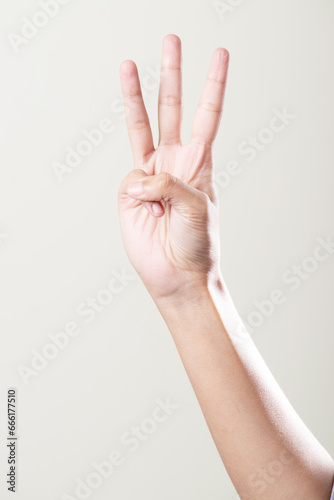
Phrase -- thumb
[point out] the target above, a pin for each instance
(164, 187)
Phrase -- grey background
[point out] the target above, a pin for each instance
(61, 241)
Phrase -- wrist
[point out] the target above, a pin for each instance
(204, 305)
(192, 290)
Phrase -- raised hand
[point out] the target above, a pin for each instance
(168, 204)
(169, 218)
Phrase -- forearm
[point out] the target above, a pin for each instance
(267, 450)
(169, 217)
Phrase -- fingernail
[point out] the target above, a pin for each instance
(157, 208)
(135, 189)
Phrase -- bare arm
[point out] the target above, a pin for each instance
(169, 218)
(266, 448)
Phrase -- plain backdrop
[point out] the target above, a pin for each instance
(60, 242)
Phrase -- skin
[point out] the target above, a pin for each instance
(169, 213)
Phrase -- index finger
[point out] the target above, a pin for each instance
(209, 110)
(138, 123)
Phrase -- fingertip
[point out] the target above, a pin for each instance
(128, 68)
(219, 65)
(157, 209)
(222, 55)
(172, 40)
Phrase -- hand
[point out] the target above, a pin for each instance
(168, 204)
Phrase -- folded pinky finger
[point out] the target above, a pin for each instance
(155, 208)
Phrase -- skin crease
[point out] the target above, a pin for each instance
(169, 217)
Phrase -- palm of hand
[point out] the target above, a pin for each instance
(183, 238)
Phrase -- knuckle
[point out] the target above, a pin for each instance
(217, 81)
(138, 125)
(132, 99)
(210, 106)
(170, 100)
(165, 180)
(137, 173)
(132, 102)
(169, 142)
(134, 94)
